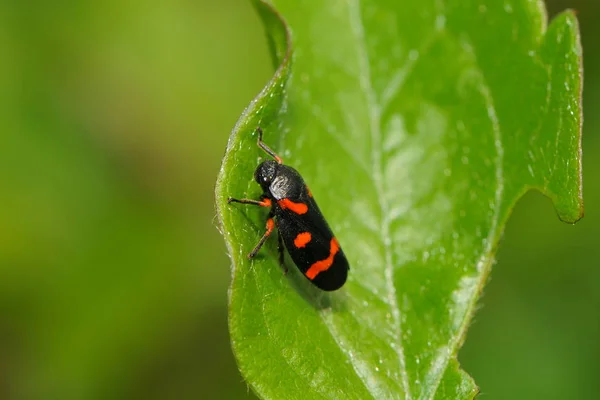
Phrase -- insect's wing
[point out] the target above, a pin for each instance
(312, 245)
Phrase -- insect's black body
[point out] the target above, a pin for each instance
(302, 227)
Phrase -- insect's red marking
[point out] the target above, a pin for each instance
(298, 208)
(302, 239)
(324, 265)
(309, 192)
(266, 203)
(270, 225)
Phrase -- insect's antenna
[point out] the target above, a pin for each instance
(266, 148)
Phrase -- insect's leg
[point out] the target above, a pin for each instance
(266, 202)
(266, 148)
(263, 239)
(281, 253)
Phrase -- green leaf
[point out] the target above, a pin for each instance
(417, 125)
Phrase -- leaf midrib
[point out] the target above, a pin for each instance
(377, 174)
(374, 112)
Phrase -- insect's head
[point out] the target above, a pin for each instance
(265, 173)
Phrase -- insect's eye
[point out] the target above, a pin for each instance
(267, 178)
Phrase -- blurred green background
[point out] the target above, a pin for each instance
(113, 276)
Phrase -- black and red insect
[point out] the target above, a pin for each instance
(300, 224)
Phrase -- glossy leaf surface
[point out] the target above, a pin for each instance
(417, 125)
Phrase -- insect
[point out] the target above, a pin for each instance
(301, 226)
